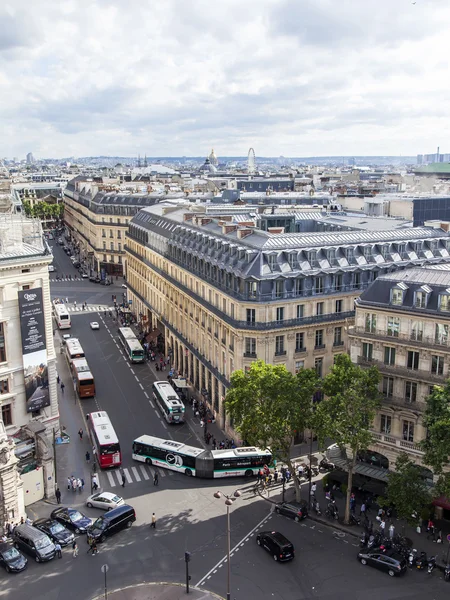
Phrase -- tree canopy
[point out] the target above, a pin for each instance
(269, 406)
(43, 210)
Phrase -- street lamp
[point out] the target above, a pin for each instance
(229, 499)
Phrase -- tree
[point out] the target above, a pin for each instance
(347, 411)
(407, 490)
(436, 446)
(269, 406)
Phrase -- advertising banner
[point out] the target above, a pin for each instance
(34, 349)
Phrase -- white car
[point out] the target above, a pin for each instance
(51, 269)
(84, 276)
(94, 325)
(124, 286)
(104, 500)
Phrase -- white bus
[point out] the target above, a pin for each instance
(62, 316)
(168, 401)
(131, 345)
(197, 462)
(73, 350)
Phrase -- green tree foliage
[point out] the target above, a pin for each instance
(347, 411)
(407, 490)
(43, 210)
(436, 446)
(269, 406)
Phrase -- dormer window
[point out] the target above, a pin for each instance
(444, 301)
(331, 255)
(348, 253)
(312, 258)
(272, 260)
(421, 296)
(292, 258)
(397, 293)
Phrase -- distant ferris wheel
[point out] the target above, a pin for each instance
(251, 161)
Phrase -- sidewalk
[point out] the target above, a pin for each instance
(159, 591)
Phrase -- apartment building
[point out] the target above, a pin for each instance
(224, 292)
(28, 394)
(402, 325)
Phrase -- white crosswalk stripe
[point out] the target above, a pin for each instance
(144, 472)
(135, 473)
(162, 472)
(127, 475)
(112, 483)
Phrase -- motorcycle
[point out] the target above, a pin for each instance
(326, 465)
(422, 562)
(447, 573)
(431, 564)
(332, 511)
(354, 519)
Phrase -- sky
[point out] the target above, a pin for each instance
(179, 77)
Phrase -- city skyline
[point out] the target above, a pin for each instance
(316, 79)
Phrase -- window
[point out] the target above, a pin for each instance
(319, 338)
(300, 311)
(444, 302)
(104, 246)
(410, 391)
(251, 315)
(26, 287)
(111, 234)
(356, 280)
(371, 322)
(408, 431)
(2, 343)
(318, 285)
(337, 283)
(4, 386)
(119, 247)
(397, 296)
(393, 326)
(441, 334)
(319, 308)
(338, 336)
(250, 346)
(279, 345)
(280, 313)
(388, 387)
(119, 234)
(367, 350)
(437, 365)
(413, 360)
(312, 258)
(112, 245)
(103, 233)
(385, 424)
(420, 300)
(417, 331)
(292, 260)
(299, 342)
(318, 366)
(299, 365)
(299, 287)
(389, 355)
(338, 306)
(7, 414)
(279, 288)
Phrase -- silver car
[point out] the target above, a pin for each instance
(104, 500)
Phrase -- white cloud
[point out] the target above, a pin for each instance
(176, 77)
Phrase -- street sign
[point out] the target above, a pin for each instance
(105, 568)
(448, 537)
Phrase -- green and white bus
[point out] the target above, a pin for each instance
(168, 401)
(131, 345)
(197, 462)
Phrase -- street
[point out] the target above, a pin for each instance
(189, 518)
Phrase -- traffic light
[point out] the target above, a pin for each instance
(187, 556)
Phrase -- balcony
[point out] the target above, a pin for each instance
(280, 353)
(392, 441)
(338, 344)
(401, 371)
(319, 346)
(397, 401)
(250, 355)
(300, 350)
(412, 338)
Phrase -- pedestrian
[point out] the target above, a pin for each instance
(58, 495)
(94, 482)
(74, 484)
(123, 478)
(82, 484)
(382, 525)
(88, 456)
(313, 489)
(153, 521)
(362, 511)
(391, 531)
(75, 549)
(58, 549)
(156, 478)
(67, 300)
(58, 379)
(79, 485)
(275, 476)
(62, 387)
(75, 303)
(80, 433)
(69, 483)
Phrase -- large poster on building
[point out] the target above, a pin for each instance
(34, 349)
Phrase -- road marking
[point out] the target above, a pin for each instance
(112, 483)
(136, 377)
(161, 472)
(152, 405)
(146, 395)
(131, 370)
(144, 472)
(221, 562)
(135, 473)
(128, 476)
(163, 424)
(141, 386)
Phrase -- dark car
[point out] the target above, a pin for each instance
(294, 510)
(97, 280)
(113, 521)
(12, 559)
(55, 531)
(276, 544)
(92, 278)
(390, 562)
(77, 264)
(72, 518)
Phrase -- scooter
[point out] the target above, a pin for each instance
(332, 511)
(354, 519)
(431, 564)
(447, 573)
(422, 561)
(412, 558)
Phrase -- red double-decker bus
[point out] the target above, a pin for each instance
(104, 440)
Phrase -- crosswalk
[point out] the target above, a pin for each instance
(89, 308)
(136, 474)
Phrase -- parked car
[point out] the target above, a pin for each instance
(104, 500)
(94, 325)
(390, 562)
(51, 269)
(294, 510)
(76, 264)
(84, 275)
(111, 522)
(97, 280)
(55, 531)
(12, 559)
(34, 542)
(276, 544)
(92, 278)
(72, 519)
(105, 282)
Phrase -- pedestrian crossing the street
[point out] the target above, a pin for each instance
(135, 474)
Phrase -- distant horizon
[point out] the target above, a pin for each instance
(142, 157)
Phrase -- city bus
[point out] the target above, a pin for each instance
(83, 378)
(73, 350)
(168, 401)
(197, 462)
(131, 345)
(62, 316)
(104, 440)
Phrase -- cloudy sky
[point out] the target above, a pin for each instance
(177, 77)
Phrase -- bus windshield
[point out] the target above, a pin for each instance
(110, 449)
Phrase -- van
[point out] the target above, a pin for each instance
(113, 521)
(276, 544)
(34, 542)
